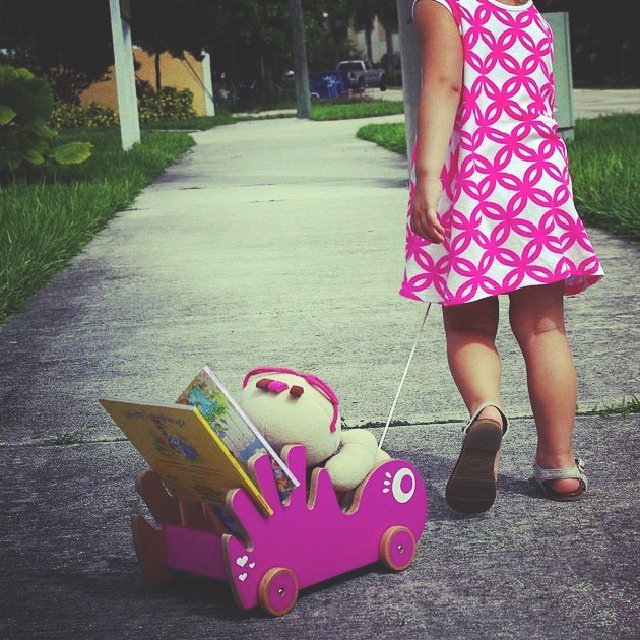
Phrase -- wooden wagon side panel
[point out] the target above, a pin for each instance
(315, 539)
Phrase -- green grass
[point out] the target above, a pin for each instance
(624, 408)
(65, 438)
(325, 110)
(319, 111)
(604, 164)
(197, 123)
(47, 216)
(390, 136)
(366, 109)
(267, 116)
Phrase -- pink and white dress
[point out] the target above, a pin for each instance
(507, 207)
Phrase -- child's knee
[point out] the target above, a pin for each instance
(526, 325)
(471, 317)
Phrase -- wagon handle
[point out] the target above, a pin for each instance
(393, 406)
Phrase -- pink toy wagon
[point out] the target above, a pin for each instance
(308, 539)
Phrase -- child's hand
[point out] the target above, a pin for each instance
(424, 218)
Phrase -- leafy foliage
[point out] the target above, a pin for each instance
(68, 43)
(73, 116)
(168, 103)
(26, 103)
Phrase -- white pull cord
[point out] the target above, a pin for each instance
(393, 406)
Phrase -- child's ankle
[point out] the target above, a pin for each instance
(491, 413)
(554, 460)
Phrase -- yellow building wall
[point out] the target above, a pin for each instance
(181, 74)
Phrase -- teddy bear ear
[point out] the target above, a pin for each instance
(296, 390)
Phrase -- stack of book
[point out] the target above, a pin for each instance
(201, 446)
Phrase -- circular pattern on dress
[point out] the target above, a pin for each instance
(507, 207)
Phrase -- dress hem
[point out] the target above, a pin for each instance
(587, 279)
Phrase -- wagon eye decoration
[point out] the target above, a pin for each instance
(401, 485)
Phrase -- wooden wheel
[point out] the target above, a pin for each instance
(397, 548)
(278, 591)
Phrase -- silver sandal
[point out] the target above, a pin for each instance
(544, 477)
(473, 484)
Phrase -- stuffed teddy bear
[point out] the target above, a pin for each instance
(298, 408)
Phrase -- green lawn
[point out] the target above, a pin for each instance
(197, 123)
(604, 164)
(47, 217)
(319, 111)
(365, 109)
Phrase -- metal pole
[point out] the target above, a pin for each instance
(562, 73)
(303, 100)
(125, 76)
(411, 72)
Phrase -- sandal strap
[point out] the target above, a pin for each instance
(479, 408)
(577, 471)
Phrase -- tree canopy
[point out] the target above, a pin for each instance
(69, 42)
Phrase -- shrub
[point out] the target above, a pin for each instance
(26, 104)
(72, 116)
(99, 115)
(168, 103)
(67, 116)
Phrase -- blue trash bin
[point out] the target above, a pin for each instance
(328, 84)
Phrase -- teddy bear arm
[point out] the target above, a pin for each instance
(350, 466)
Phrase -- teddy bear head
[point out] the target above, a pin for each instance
(289, 407)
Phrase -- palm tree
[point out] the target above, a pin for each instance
(363, 12)
(387, 12)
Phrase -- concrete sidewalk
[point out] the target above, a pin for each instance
(282, 242)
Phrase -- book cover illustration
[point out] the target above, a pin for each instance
(233, 426)
(180, 446)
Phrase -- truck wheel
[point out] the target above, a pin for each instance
(278, 591)
(397, 548)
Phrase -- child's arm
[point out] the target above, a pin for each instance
(441, 60)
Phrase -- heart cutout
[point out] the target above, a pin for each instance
(251, 565)
(243, 577)
(242, 561)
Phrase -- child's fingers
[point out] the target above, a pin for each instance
(423, 226)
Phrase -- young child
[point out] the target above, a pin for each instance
(491, 212)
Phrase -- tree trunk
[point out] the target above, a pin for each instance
(158, 76)
(367, 33)
(390, 57)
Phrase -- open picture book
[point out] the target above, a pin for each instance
(201, 445)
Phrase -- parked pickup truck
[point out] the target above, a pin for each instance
(361, 75)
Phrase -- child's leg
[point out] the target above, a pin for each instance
(536, 315)
(472, 354)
